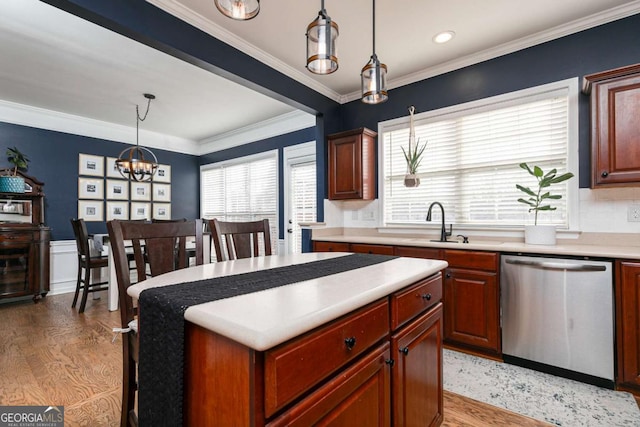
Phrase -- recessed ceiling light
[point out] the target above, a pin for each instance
(443, 37)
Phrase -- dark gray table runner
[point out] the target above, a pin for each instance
(161, 365)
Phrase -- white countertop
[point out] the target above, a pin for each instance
(262, 320)
(603, 251)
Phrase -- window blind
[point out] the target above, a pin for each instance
(471, 163)
(244, 189)
(303, 199)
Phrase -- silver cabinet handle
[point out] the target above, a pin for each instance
(557, 265)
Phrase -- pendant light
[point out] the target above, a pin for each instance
(138, 163)
(241, 10)
(374, 74)
(321, 44)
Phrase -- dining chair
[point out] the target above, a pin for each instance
(87, 263)
(235, 240)
(158, 248)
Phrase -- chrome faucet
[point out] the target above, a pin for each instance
(443, 231)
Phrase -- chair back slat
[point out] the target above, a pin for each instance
(160, 247)
(236, 240)
(82, 237)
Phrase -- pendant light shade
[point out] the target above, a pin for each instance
(374, 74)
(241, 10)
(321, 44)
(138, 163)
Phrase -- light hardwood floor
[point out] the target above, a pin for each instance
(51, 355)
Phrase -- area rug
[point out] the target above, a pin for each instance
(545, 397)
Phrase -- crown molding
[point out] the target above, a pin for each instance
(26, 115)
(283, 124)
(563, 30)
(187, 15)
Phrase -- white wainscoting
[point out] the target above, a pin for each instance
(64, 268)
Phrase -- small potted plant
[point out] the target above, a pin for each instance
(539, 200)
(13, 183)
(413, 156)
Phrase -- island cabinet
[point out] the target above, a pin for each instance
(627, 294)
(379, 365)
(471, 297)
(615, 127)
(351, 165)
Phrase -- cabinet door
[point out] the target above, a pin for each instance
(359, 396)
(615, 126)
(17, 267)
(628, 303)
(471, 310)
(351, 165)
(417, 375)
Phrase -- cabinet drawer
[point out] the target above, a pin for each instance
(472, 260)
(17, 237)
(371, 249)
(415, 252)
(297, 365)
(330, 247)
(408, 303)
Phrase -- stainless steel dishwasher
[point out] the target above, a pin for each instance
(558, 316)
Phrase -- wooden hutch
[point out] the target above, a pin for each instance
(24, 241)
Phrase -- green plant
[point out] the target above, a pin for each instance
(17, 159)
(537, 199)
(413, 157)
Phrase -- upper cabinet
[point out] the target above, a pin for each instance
(615, 126)
(352, 165)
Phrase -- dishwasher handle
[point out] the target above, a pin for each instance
(556, 265)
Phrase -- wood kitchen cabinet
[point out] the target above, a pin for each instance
(380, 365)
(330, 247)
(615, 126)
(628, 325)
(472, 301)
(351, 165)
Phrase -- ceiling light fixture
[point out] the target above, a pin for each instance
(241, 10)
(321, 44)
(374, 74)
(443, 37)
(138, 163)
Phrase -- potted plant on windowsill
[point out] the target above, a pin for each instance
(13, 183)
(539, 201)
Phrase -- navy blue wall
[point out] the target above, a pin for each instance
(275, 143)
(601, 48)
(54, 161)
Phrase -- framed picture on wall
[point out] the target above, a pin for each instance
(90, 165)
(163, 174)
(117, 189)
(90, 188)
(141, 211)
(117, 210)
(161, 192)
(141, 191)
(161, 211)
(111, 170)
(90, 210)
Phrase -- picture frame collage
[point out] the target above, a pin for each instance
(104, 194)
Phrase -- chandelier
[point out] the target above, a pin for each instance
(138, 163)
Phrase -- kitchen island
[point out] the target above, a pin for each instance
(363, 345)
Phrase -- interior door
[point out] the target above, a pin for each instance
(300, 193)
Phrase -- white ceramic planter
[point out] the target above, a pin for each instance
(540, 234)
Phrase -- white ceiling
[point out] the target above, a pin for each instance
(54, 61)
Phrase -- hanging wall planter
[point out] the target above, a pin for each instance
(413, 156)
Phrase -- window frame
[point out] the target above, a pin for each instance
(570, 86)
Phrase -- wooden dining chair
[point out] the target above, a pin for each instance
(235, 240)
(158, 248)
(86, 264)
